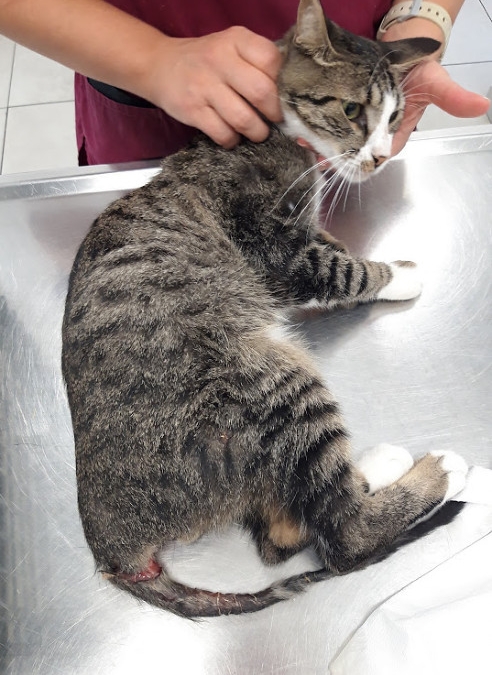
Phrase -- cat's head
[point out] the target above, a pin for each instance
(341, 94)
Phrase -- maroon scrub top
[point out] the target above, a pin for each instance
(110, 132)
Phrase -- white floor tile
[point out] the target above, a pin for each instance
(3, 114)
(36, 79)
(471, 39)
(473, 76)
(40, 137)
(6, 59)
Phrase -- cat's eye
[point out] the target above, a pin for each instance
(393, 116)
(351, 109)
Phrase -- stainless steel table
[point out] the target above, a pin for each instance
(417, 374)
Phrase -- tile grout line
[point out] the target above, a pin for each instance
(10, 107)
(468, 63)
(30, 105)
(485, 10)
(7, 109)
(2, 149)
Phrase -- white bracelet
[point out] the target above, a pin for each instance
(423, 10)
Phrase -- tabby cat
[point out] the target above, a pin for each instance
(192, 405)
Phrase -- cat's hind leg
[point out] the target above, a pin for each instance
(278, 537)
(301, 465)
(384, 464)
(374, 522)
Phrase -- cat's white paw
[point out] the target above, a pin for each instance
(456, 468)
(405, 284)
(384, 464)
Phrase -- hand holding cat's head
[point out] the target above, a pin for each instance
(341, 94)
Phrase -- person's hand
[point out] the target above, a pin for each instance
(215, 82)
(428, 83)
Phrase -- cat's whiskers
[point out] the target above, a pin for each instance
(314, 196)
(415, 106)
(337, 196)
(325, 189)
(348, 183)
(315, 167)
(406, 78)
(427, 97)
(416, 100)
(346, 173)
(420, 91)
(304, 194)
(293, 184)
(359, 187)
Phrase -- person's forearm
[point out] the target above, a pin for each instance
(89, 36)
(419, 27)
(451, 6)
(216, 83)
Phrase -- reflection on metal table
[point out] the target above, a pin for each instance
(417, 374)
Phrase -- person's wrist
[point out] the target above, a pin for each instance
(415, 27)
(144, 77)
(426, 18)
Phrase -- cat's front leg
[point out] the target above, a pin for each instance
(320, 275)
(325, 237)
(405, 282)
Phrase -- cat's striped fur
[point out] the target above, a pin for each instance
(191, 405)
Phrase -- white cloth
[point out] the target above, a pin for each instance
(441, 623)
(478, 489)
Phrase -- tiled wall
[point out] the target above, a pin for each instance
(36, 94)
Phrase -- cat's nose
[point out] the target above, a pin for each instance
(379, 159)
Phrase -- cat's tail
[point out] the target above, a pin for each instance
(189, 602)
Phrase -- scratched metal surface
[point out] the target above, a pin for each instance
(416, 374)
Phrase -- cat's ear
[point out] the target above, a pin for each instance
(311, 33)
(404, 54)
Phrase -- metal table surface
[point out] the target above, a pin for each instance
(417, 374)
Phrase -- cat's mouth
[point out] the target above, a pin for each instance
(323, 163)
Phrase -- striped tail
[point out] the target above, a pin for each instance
(189, 602)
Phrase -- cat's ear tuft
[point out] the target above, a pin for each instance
(404, 54)
(311, 33)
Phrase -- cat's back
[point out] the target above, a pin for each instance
(171, 249)
(160, 294)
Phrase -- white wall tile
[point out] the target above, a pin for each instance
(6, 59)
(36, 79)
(488, 6)
(471, 38)
(3, 115)
(434, 118)
(40, 137)
(473, 76)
